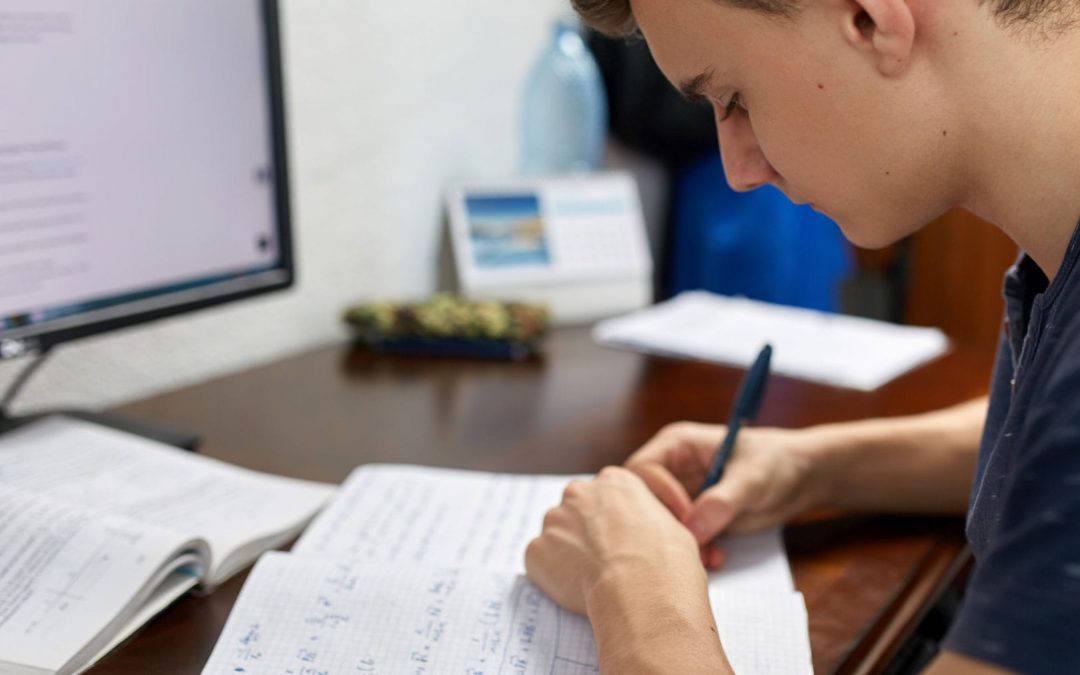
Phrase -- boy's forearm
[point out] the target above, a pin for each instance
(655, 624)
(916, 464)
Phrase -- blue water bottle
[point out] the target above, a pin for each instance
(564, 120)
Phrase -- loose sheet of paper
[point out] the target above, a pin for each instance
(82, 463)
(832, 349)
(66, 573)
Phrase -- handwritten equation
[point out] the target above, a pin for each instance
(309, 616)
(411, 515)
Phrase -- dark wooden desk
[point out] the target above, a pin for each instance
(318, 415)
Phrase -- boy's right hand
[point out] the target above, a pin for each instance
(769, 478)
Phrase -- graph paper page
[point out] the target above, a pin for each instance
(420, 515)
(410, 514)
(753, 563)
(308, 615)
(763, 633)
(414, 569)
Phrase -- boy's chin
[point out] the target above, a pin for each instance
(873, 235)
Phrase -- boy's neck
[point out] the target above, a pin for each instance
(1021, 114)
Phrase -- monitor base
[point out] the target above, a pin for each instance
(179, 438)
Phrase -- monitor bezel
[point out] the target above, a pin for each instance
(28, 339)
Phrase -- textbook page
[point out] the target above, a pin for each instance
(171, 589)
(307, 614)
(833, 349)
(426, 516)
(228, 506)
(71, 577)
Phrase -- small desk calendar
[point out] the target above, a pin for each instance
(575, 242)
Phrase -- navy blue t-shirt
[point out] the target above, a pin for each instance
(1022, 607)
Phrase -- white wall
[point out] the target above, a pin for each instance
(388, 100)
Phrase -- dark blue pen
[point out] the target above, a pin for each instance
(747, 404)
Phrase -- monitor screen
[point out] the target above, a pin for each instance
(142, 163)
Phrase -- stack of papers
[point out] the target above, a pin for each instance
(832, 349)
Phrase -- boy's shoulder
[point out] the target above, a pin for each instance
(1022, 609)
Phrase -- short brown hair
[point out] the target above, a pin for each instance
(614, 17)
(1027, 11)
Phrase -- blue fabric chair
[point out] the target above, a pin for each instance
(755, 244)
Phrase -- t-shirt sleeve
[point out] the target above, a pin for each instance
(1022, 607)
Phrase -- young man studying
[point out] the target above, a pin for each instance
(882, 114)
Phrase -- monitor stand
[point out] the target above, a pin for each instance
(156, 431)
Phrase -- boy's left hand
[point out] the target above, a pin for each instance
(610, 530)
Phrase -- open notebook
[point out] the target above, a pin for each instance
(413, 569)
(100, 530)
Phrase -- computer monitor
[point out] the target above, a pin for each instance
(142, 163)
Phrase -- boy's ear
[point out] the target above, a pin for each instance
(884, 29)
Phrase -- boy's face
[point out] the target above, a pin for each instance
(822, 122)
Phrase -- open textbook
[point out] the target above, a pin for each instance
(420, 570)
(842, 351)
(100, 530)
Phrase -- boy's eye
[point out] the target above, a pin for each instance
(734, 102)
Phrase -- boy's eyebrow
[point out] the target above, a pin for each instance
(694, 88)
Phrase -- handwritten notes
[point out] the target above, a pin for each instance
(312, 616)
(408, 514)
(418, 570)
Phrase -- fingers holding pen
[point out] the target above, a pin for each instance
(718, 510)
(668, 489)
(673, 495)
(684, 449)
(713, 512)
(713, 556)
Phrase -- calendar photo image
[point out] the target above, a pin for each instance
(507, 230)
(552, 230)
